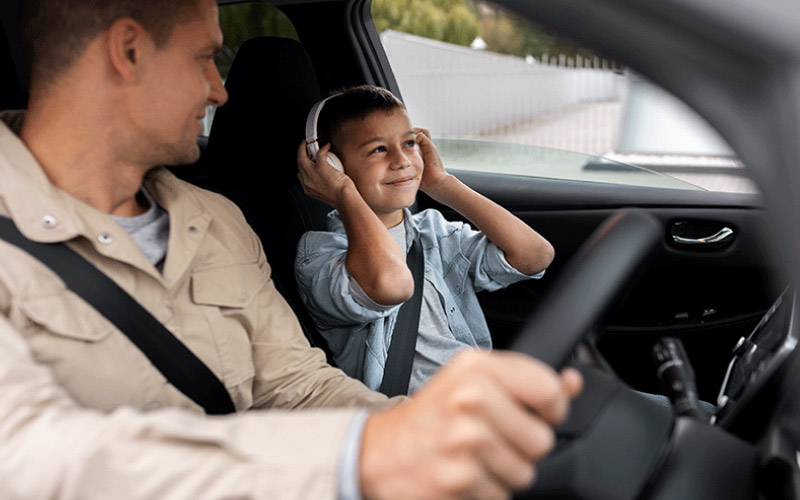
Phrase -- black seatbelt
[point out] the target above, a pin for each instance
(169, 355)
(397, 370)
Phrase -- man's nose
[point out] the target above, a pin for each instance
(218, 95)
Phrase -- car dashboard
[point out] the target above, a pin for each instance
(757, 366)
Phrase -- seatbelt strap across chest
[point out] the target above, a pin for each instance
(181, 367)
(400, 358)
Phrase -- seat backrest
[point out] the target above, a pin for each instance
(252, 150)
(11, 95)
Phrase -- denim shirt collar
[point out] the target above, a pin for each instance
(335, 225)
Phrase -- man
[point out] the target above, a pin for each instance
(119, 87)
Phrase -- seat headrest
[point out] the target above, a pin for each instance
(11, 96)
(271, 86)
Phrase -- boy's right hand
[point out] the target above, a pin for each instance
(320, 180)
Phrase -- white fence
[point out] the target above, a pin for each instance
(459, 92)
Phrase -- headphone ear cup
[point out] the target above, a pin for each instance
(335, 162)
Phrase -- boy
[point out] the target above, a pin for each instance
(353, 278)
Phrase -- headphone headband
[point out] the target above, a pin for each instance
(311, 127)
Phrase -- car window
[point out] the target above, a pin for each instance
(487, 93)
(241, 22)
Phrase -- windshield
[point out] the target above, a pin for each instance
(535, 161)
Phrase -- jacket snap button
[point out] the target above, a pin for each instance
(49, 221)
(104, 238)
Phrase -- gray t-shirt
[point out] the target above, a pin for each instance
(435, 342)
(150, 231)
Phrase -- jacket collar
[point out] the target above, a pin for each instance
(45, 213)
(41, 211)
(336, 225)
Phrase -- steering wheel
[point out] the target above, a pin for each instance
(618, 444)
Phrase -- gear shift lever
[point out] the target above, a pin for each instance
(677, 377)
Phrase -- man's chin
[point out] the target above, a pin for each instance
(184, 155)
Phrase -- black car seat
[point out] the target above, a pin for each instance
(11, 96)
(251, 155)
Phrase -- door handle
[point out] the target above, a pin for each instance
(720, 237)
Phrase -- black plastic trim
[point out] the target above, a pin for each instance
(562, 194)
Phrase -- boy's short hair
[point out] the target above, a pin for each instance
(56, 32)
(353, 103)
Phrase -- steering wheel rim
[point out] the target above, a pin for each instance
(618, 444)
(589, 283)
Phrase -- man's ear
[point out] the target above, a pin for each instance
(127, 42)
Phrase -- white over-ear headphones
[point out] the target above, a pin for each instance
(312, 145)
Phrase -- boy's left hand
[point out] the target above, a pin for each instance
(434, 174)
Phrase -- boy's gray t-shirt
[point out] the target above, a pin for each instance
(435, 342)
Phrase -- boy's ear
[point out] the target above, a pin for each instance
(127, 44)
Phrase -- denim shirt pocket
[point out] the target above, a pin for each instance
(456, 273)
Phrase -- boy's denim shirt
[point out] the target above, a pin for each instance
(459, 261)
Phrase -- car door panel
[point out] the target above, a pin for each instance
(708, 297)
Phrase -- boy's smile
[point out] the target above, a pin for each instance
(381, 156)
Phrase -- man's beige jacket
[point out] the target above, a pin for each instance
(83, 413)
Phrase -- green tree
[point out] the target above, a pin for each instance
(452, 21)
(460, 21)
(424, 19)
(240, 22)
(508, 34)
(462, 26)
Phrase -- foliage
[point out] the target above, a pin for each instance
(461, 27)
(452, 21)
(460, 21)
(509, 34)
(243, 21)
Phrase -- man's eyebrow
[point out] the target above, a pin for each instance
(214, 46)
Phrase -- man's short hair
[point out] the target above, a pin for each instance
(353, 103)
(56, 32)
